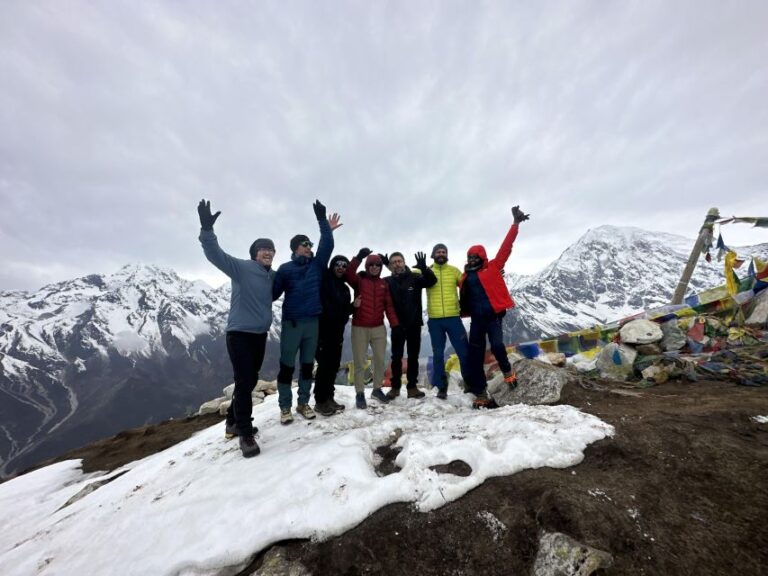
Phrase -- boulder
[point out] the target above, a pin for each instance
(561, 555)
(210, 407)
(275, 563)
(266, 387)
(640, 332)
(674, 338)
(537, 383)
(648, 349)
(758, 309)
(555, 358)
(615, 361)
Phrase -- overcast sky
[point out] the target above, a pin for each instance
(419, 122)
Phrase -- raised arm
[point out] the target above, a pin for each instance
(506, 245)
(351, 274)
(213, 252)
(327, 226)
(427, 278)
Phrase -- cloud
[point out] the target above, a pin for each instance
(419, 123)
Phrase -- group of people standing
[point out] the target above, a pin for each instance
(318, 303)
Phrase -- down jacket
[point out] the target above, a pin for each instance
(405, 289)
(491, 275)
(442, 300)
(302, 277)
(375, 299)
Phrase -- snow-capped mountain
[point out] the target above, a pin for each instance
(86, 358)
(609, 273)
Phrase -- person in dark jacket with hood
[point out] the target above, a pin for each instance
(485, 298)
(405, 287)
(337, 306)
(300, 280)
(372, 302)
(250, 316)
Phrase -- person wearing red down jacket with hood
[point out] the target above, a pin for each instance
(484, 297)
(372, 301)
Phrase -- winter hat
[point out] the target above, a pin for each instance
(260, 244)
(298, 239)
(437, 247)
(372, 259)
(337, 258)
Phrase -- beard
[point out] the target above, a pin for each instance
(441, 259)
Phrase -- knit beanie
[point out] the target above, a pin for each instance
(438, 247)
(259, 244)
(298, 239)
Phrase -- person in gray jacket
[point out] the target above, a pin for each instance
(250, 316)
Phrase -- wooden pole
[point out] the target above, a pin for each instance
(705, 236)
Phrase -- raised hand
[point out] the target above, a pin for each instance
(335, 221)
(363, 253)
(518, 215)
(204, 212)
(421, 260)
(319, 209)
(384, 259)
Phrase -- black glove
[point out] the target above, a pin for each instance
(421, 260)
(319, 210)
(384, 259)
(363, 254)
(206, 219)
(518, 215)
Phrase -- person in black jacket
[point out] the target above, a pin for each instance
(337, 307)
(405, 287)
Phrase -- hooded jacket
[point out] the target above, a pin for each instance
(375, 299)
(490, 275)
(336, 297)
(405, 290)
(300, 279)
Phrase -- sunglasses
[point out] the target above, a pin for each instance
(306, 244)
(340, 265)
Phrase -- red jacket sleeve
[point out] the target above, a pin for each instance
(351, 274)
(505, 249)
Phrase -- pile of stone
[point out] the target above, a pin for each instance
(221, 405)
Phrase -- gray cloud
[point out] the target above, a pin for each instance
(418, 122)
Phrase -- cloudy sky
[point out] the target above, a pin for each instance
(419, 122)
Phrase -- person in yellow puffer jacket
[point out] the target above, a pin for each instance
(444, 320)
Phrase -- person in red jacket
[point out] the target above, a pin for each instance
(372, 301)
(485, 298)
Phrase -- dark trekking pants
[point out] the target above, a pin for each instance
(246, 352)
(328, 356)
(481, 327)
(411, 338)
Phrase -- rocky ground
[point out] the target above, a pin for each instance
(682, 488)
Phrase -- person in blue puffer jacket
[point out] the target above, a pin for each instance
(300, 280)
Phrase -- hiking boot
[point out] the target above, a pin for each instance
(306, 411)
(325, 408)
(339, 407)
(510, 378)
(285, 416)
(248, 446)
(415, 393)
(481, 400)
(380, 396)
(231, 430)
(393, 393)
(360, 401)
(442, 393)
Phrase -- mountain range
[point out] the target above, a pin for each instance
(89, 357)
